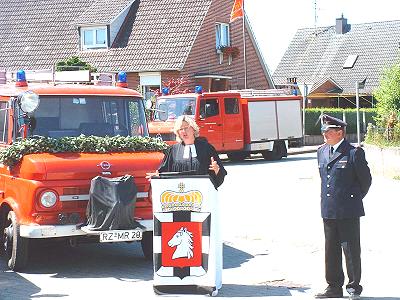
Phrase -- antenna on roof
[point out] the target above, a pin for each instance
(315, 17)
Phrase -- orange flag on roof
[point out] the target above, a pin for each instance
(237, 10)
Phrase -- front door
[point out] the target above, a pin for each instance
(210, 121)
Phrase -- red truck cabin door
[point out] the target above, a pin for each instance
(233, 130)
(210, 121)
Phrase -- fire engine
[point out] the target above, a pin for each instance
(238, 123)
(45, 195)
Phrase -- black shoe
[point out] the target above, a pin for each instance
(353, 295)
(330, 293)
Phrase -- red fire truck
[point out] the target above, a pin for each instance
(238, 123)
(45, 195)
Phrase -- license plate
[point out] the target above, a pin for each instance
(120, 236)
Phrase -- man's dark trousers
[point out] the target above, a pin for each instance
(343, 233)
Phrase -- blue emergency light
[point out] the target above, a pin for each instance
(198, 89)
(122, 79)
(21, 78)
(165, 91)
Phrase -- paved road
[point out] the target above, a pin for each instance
(273, 244)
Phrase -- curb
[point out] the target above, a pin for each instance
(293, 151)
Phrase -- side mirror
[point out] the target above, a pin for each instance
(163, 111)
(28, 101)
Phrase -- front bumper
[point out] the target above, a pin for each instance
(35, 231)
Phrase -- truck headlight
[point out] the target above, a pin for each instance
(48, 199)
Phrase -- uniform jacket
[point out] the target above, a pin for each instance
(345, 180)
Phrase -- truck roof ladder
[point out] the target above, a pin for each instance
(262, 93)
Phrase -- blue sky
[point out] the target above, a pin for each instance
(276, 22)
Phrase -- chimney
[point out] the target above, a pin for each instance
(341, 25)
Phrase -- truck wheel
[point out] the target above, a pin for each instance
(147, 245)
(277, 152)
(15, 247)
(237, 156)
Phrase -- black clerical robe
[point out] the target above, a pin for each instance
(175, 162)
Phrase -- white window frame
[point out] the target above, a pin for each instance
(4, 111)
(94, 31)
(149, 80)
(220, 30)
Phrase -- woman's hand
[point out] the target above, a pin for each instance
(214, 166)
(149, 175)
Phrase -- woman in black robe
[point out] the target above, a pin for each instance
(192, 153)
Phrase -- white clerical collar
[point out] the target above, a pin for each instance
(188, 149)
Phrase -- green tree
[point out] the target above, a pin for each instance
(74, 63)
(388, 96)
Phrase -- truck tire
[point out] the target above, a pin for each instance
(237, 156)
(15, 247)
(277, 152)
(147, 245)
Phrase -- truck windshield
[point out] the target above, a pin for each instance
(60, 116)
(177, 107)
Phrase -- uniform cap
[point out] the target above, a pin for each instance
(328, 122)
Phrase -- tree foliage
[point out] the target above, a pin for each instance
(388, 96)
(74, 63)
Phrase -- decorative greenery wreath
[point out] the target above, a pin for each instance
(89, 144)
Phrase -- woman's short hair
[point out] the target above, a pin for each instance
(191, 122)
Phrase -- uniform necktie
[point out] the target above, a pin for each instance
(331, 151)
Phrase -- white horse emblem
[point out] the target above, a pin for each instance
(183, 241)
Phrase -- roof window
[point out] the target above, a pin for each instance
(350, 61)
(94, 37)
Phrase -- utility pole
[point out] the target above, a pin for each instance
(305, 93)
(244, 47)
(358, 114)
(359, 85)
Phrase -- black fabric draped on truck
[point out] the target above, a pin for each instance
(112, 203)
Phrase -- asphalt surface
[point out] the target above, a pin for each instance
(276, 253)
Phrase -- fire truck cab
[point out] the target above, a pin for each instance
(45, 195)
(238, 123)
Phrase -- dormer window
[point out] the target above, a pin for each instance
(94, 37)
(222, 35)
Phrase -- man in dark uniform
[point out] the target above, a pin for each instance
(345, 180)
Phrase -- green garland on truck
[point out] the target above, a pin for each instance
(85, 144)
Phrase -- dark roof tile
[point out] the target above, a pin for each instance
(103, 12)
(156, 35)
(312, 56)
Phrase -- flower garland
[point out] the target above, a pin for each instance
(90, 144)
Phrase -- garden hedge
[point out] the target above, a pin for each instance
(313, 125)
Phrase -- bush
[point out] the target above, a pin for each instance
(383, 137)
(74, 63)
(313, 124)
(388, 109)
(388, 95)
